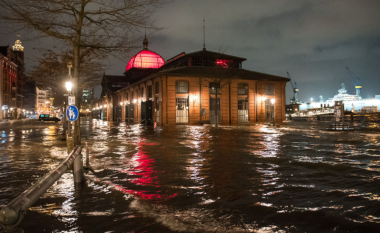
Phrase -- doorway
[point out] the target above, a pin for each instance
(269, 110)
(243, 110)
(182, 110)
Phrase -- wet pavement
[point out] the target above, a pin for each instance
(295, 178)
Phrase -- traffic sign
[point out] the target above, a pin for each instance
(71, 100)
(72, 113)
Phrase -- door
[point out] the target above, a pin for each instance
(269, 110)
(182, 111)
(117, 113)
(143, 112)
(149, 112)
(126, 113)
(131, 109)
(157, 111)
(243, 110)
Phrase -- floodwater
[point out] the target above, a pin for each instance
(295, 178)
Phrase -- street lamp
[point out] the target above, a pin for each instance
(274, 112)
(69, 86)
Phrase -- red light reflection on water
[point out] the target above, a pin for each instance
(142, 166)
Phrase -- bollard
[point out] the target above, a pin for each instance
(78, 169)
(87, 156)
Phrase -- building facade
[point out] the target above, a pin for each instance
(12, 78)
(193, 88)
(44, 100)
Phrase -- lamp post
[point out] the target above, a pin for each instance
(274, 111)
(69, 85)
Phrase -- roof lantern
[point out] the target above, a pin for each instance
(145, 59)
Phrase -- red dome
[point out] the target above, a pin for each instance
(146, 59)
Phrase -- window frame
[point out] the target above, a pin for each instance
(178, 89)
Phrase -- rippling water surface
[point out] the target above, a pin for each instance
(295, 178)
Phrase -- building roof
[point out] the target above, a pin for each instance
(212, 71)
(207, 53)
(145, 59)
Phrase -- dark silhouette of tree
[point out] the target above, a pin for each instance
(216, 74)
(52, 71)
(107, 26)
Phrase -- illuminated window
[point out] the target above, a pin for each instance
(224, 63)
(269, 89)
(242, 89)
(182, 87)
(213, 87)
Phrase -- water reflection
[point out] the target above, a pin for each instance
(199, 179)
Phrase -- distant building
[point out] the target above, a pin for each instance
(44, 100)
(181, 91)
(12, 71)
(86, 100)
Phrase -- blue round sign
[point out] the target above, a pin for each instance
(72, 113)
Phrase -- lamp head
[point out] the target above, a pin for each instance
(69, 85)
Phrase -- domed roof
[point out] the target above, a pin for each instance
(146, 59)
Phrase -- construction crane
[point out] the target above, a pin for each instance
(356, 81)
(293, 100)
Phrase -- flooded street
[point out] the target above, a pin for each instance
(295, 178)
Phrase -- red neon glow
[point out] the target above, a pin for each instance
(223, 63)
(145, 59)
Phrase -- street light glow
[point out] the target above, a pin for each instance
(69, 85)
(272, 101)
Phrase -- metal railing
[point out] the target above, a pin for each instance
(12, 214)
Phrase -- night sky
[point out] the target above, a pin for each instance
(312, 40)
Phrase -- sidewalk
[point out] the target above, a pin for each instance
(14, 120)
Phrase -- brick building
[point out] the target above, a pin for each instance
(11, 80)
(202, 86)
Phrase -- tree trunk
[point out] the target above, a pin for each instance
(76, 134)
(216, 108)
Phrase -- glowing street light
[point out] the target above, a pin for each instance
(69, 86)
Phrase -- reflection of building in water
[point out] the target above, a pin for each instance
(190, 87)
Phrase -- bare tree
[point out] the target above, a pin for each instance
(104, 25)
(218, 74)
(52, 71)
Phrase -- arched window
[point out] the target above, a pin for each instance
(157, 88)
(182, 87)
(242, 89)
